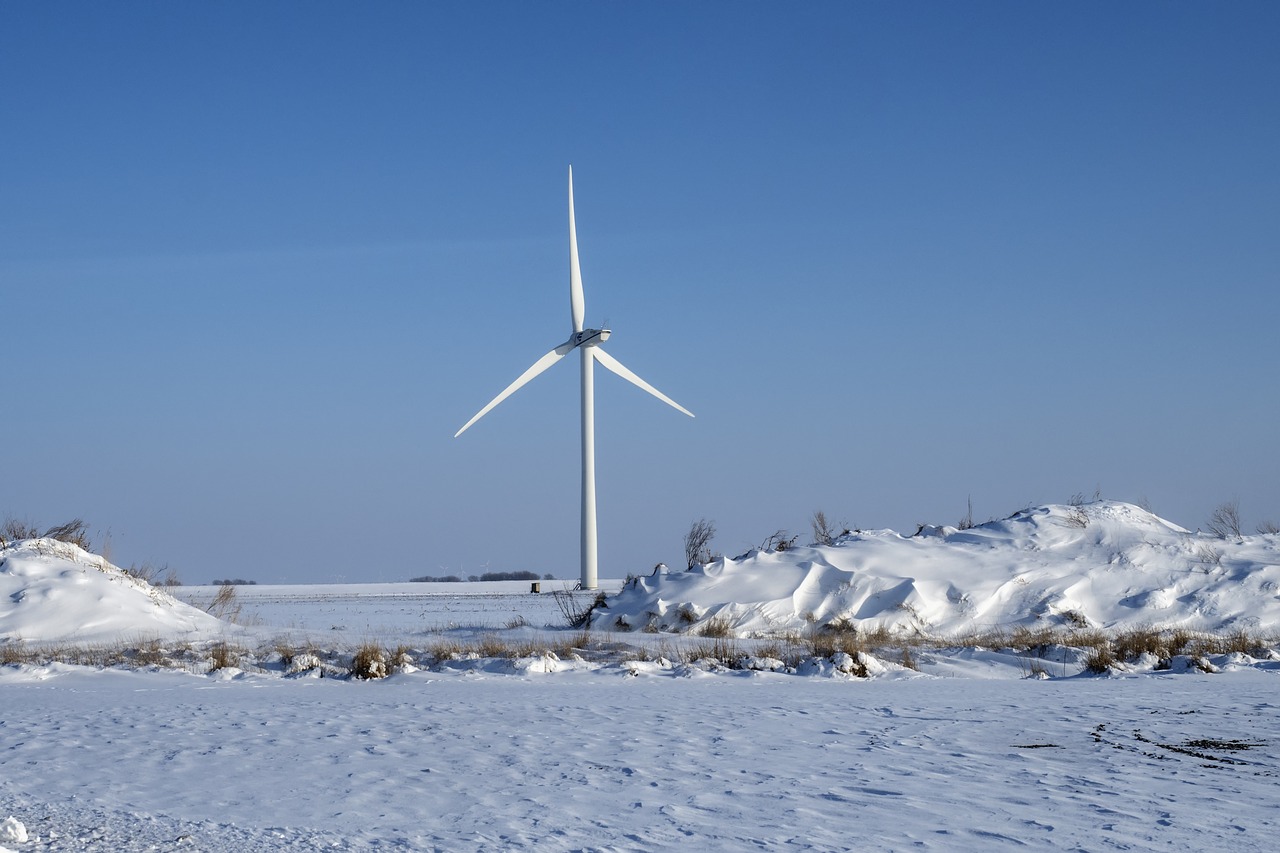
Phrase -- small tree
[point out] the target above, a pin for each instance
(1268, 527)
(1225, 521)
(697, 543)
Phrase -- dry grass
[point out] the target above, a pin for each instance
(717, 626)
(369, 661)
(722, 650)
(224, 655)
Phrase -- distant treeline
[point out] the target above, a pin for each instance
(487, 576)
(234, 582)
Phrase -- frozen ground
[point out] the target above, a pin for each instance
(605, 753)
(602, 760)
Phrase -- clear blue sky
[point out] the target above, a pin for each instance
(259, 262)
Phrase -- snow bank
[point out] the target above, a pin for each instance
(1103, 564)
(53, 591)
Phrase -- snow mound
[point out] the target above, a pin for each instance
(13, 831)
(52, 591)
(1102, 564)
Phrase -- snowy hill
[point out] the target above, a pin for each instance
(1103, 564)
(56, 591)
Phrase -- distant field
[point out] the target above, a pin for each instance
(388, 611)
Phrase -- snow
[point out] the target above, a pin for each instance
(1102, 564)
(641, 744)
(12, 831)
(53, 591)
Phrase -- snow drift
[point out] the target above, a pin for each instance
(55, 591)
(1103, 564)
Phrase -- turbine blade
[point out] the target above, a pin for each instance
(618, 368)
(538, 366)
(576, 303)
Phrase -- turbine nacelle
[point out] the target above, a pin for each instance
(589, 337)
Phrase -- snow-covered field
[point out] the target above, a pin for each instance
(637, 744)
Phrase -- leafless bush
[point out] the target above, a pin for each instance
(74, 531)
(822, 532)
(1268, 527)
(1207, 554)
(15, 530)
(697, 543)
(778, 541)
(966, 523)
(1225, 520)
(225, 604)
(576, 609)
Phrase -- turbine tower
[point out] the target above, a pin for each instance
(588, 342)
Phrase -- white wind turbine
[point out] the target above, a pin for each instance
(588, 342)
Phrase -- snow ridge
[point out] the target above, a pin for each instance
(1102, 564)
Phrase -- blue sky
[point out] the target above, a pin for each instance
(259, 262)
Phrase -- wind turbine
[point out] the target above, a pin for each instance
(588, 342)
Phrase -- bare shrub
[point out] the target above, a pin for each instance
(822, 532)
(1207, 554)
(225, 604)
(907, 660)
(369, 661)
(1267, 528)
(1225, 521)
(575, 609)
(15, 530)
(966, 523)
(778, 541)
(147, 573)
(697, 543)
(75, 531)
